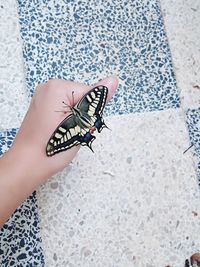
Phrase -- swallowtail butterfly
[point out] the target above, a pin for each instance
(79, 126)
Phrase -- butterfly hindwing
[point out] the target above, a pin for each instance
(74, 130)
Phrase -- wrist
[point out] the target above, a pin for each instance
(18, 179)
(21, 165)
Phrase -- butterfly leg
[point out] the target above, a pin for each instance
(72, 98)
(66, 106)
(63, 111)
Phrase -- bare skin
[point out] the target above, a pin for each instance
(25, 166)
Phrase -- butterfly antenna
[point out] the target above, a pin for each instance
(188, 148)
(66, 104)
(72, 98)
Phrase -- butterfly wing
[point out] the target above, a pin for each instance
(64, 137)
(70, 132)
(92, 105)
(67, 135)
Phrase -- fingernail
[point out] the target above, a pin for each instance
(110, 81)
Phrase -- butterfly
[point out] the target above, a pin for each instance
(79, 126)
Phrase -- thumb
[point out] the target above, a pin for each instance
(111, 83)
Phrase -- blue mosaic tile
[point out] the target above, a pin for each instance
(193, 123)
(87, 40)
(20, 240)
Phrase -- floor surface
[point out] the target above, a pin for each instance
(141, 212)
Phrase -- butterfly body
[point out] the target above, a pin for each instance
(82, 119)
(79, 126)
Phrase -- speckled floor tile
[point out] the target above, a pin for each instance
(182, 22)
(98, 215)
(13, 94)
(193, 122)
(129, 204)
(88, 40)
(20, 239)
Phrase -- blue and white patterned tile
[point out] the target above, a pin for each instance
(88, 40)
(6, 139)
(20, 239)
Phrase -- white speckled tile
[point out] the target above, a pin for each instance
(193, 123)
(138, 214)
(130, 203)
(182, 22)
(13, 94)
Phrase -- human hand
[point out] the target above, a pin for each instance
(41, 120)
(25, 165)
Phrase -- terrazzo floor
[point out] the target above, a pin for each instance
(137, 213)
(13, 94)
(117, 214)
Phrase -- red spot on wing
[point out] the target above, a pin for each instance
(92, 130)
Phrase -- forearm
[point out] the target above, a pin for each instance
(19, 177)
(25, 166)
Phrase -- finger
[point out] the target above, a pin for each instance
(111, 83)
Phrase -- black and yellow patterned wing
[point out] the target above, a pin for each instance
(92, 105)
(64, 137)
(78, 127)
